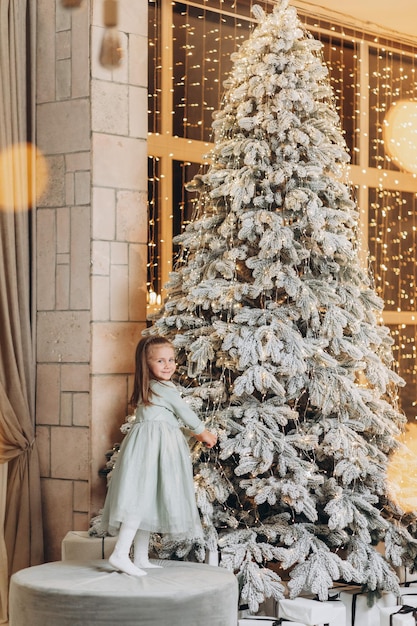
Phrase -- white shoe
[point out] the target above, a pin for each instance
(124, 564)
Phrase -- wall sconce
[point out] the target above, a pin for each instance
(400, 134)
(71, 4)
(111, 50)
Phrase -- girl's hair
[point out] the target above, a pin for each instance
(141, 385)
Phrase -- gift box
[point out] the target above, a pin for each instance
(405, 576)
(261, 620)
(212, 557)
(312, 612)
(78, 545)
(268, 607)
(408, 596)
(359, 613)
(398, 616)
(255, 620)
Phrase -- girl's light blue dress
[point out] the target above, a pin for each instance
(151, 486)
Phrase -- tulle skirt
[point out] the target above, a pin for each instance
(151, 486)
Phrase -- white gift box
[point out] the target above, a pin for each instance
(390, 616)
(261, 620)
(212, 557)
(358, 613)
(405, 575)
(408, 596)
(254, 620)
(78, 545)
(312, 612)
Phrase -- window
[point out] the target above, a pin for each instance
(190, 44)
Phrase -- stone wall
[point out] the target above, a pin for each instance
(91, 250)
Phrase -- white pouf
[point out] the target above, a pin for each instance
(72, 593)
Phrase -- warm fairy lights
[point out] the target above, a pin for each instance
(392, 241)
(392, 232)
(392, 79)
(368, 74)
(153, 286)
(402, 474)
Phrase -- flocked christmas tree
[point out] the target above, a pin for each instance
(279, 347)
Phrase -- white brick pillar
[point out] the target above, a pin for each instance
(119, 227)
(91, 250)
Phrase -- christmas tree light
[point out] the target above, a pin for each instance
(279, 346)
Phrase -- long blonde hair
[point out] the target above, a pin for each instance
(141, 385)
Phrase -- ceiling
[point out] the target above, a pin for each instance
(399, 16)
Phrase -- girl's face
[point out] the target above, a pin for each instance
(161, 362)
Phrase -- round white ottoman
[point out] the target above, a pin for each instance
(73, 593)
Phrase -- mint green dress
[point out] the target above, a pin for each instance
(151, 486)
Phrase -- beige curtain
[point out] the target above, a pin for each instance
(3, 552)
(20, 520)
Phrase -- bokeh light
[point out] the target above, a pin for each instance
(23, 176)
(402, 471)
(400, 134)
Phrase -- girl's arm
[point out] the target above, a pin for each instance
(207, 437)
(181, 409)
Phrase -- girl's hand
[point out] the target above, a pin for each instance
(207, 437)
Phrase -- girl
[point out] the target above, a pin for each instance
(151, 487)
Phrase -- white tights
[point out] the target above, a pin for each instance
(141, 550)
(119, 558)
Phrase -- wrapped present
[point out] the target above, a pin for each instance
(255, 620)
(312, 612)
(78, 545)
(212, 557)
(268, 607)
(261, 620)
(358, 612)
(405, 576)
(398, 616)
(408, 596)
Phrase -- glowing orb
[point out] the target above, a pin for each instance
(400, 134)
(23, 176)
(402, 471)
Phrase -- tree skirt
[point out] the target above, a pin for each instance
(73, 593)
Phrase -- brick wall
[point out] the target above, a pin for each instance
(91, 247)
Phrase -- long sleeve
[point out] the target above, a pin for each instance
(166, 394)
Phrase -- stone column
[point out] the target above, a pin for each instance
(119, 228)
(91, 248)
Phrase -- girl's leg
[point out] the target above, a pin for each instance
(119, 558)
(141, 550)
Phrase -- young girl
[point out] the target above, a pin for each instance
(151, 488)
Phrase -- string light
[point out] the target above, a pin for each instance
(198, 74)
(155, 67)
(153, 283)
